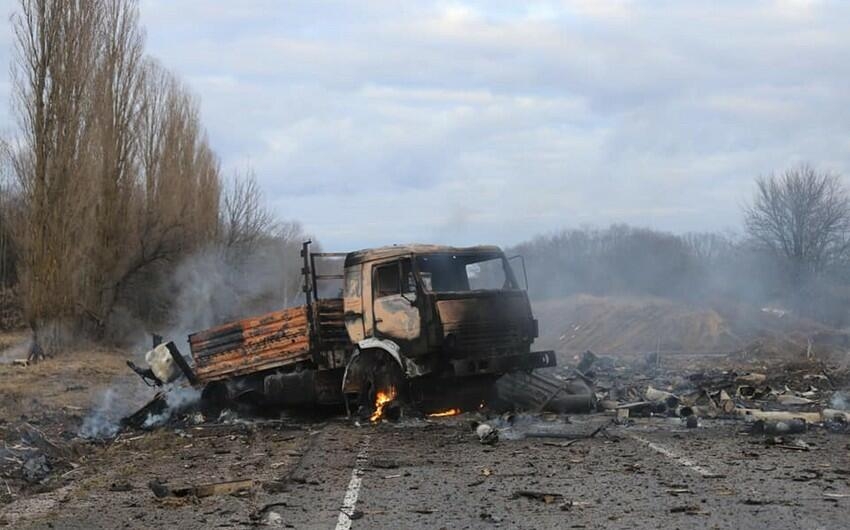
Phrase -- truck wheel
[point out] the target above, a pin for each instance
(377, 372)
(214, 399)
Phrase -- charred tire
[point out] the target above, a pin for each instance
(375, 370)
(214, 399)
(249, 403)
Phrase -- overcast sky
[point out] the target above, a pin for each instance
(485, 122)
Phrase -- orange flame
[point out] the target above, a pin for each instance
(381, 399)
(442, 414)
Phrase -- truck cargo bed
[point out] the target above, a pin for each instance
(276, 339)
(252, 344)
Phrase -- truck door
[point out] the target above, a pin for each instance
(394, 301)
(353, 304)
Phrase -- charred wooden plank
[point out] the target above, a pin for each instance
(251, 344)
(267, 341)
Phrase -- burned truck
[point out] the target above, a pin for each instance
(429, 326)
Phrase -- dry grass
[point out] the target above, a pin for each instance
(69, 380)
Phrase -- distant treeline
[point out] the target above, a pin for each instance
(704, 268)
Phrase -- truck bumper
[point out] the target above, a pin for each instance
(504, 363)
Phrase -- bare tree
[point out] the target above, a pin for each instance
(802, 215)
(245, 221)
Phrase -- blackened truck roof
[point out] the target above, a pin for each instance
(379, 253)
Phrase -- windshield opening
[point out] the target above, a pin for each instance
(453, 272)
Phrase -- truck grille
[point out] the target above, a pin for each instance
(485, 336)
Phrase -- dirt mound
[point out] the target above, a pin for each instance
(633, 325)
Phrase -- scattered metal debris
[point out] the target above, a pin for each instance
(794, 426)
(487, 434)
(161, 489)
(545, 497)
(542, 391)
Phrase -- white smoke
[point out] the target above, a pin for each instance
(115, 403)
(103, 421)
(177, 400)
(839, 401)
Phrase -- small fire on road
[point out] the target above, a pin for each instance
(381, 399)
(444, 413)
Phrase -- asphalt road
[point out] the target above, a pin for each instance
(654, 473)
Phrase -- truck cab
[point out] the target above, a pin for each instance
(440, 312)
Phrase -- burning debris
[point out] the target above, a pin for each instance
(444, 413)
(382, 399)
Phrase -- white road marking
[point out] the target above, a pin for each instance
(353, 491)
(688, 463)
